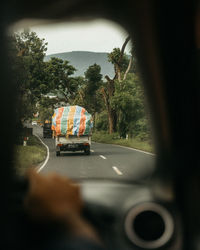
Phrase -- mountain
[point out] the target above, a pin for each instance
(81, 60)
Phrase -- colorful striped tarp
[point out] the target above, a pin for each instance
(71, 120)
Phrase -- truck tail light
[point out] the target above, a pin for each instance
(59, 145)
(86, 144)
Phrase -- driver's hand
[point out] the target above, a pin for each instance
(56, 198)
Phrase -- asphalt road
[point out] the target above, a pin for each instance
(105, 161)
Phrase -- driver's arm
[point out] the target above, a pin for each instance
(54, 198)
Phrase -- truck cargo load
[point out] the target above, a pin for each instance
(71, 120)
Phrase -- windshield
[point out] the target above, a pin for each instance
(80, 101)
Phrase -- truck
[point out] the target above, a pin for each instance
(47, 132)
(72, 129)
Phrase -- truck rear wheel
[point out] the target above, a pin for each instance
(87, 151)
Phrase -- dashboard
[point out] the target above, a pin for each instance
(132, 216)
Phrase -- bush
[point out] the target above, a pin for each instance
(102, 136)
(140, 130)
(114, 138)
(143, 136)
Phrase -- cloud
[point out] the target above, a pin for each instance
(98, 35)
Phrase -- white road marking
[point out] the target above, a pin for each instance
(134, 149)
(47, 158)
(103, 157)
(117, 170)
(92, 150)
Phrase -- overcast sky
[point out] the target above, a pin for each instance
(99, 36)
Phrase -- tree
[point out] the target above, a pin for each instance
(121, 66)
(59, 73)
(32, 50)
(88, 93)
(128, 101)
(46, 107)
(119, 62)
(27, 52)
(93, 81)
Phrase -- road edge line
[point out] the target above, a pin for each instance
(47, 158)
(134, 149)
(138, 150)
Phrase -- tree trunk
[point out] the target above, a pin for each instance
(94, 121)
(129, 66)
(111, 112)
(112, 121)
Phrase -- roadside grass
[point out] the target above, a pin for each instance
(29, 156)
(114, 139)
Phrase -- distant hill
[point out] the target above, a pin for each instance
(81, 60)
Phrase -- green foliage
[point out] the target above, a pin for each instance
(128, 103)
(88, 92)
(114, 57)
(34, 78)
(103, 137)
(102, 121)
(141, 129)
(32, 50)
(46, 108)
(93, 81)
(26, 55)
(94, 77)
(58, 73)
